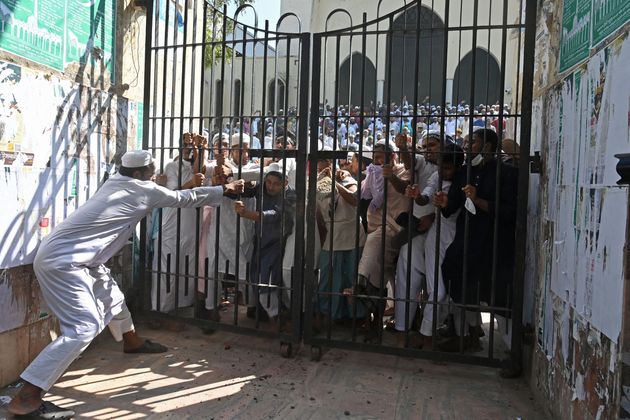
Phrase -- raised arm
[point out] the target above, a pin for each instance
(196, 197)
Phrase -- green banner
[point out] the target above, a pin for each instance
(140, 125)
(91, 26)
(576, 31)
(56, 33)
(33, 29)
(608, 16)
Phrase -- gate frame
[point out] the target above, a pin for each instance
(292, 337)
(308, 118)
(513, 366)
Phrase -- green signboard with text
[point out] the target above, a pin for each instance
(576, 33)
(608, 16)
(56, 33)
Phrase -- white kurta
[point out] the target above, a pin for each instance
(69, 266)
(224, 242)
(423, 170)
(187, 240)
(447, 233)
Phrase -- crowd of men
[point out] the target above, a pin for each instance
(408, 211)
(404, 228)
(349, 127)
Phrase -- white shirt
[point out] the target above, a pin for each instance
(99, 228)
(268, 142)
(450, 127)
(227, 222)
(188, 217)
(423, 173)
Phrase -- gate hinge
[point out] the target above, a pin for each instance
(535, 164)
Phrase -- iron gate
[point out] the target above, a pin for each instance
(422, 68)
(211, 80)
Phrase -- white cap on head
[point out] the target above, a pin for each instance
(236, 139)
(434, 134)
(136, 159)
(273, 168)
(388, 144)
(223, 136)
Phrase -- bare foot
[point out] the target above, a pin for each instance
(27, 400)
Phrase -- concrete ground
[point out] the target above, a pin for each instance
(227, 376)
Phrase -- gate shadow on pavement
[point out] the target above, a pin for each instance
(233, 376)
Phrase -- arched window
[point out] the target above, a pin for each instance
(274, 94)
(218, 98)
(352, 86)
(487, 78)
(404, 55)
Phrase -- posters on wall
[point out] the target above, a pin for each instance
(575, 43)
(585, 24)
(53, 164)
(57, 33)
(587, 123)
(608, 16)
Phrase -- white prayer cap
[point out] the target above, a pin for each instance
(274, 168)
(389, 146)
(223, 136)
(435, 134)
(236, 139)
(136, 159)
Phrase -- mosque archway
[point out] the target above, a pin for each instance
(487, 78)
(403, 52)
(274, 93)
(352, 86)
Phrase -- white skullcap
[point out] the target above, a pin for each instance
(223, 136)
(435, 134)
(236, 139)
(273, 168)
(136, 159)
(388, 145)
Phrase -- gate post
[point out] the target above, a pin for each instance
(300, 211)
(144, 288)
(516, 351)
(309, 266)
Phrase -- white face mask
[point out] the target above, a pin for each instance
(476, 160)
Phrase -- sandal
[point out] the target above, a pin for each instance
(48, 410)
(390, 324)
(148, 347)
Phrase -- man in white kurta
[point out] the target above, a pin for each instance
(447, 233)
(177, 259)
(76, 285)
(424, 167)
(222, 247)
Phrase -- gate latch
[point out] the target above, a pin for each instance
(535, 165)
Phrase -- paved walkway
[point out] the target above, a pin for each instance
(226, 376)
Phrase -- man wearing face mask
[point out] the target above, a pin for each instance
(477, 197)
